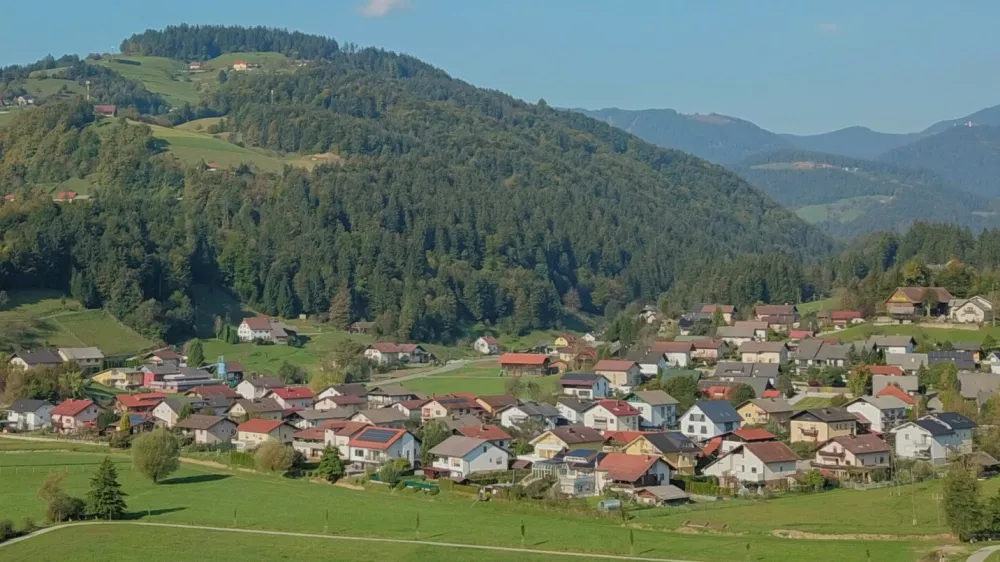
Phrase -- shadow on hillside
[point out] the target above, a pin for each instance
(196, 479)
(211, 302)
(151, 513)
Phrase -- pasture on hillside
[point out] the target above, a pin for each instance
(922, 332)
(159, 75)
(44, 318)
(818, 305)
(201, 496)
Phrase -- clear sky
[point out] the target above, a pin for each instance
(798, 66)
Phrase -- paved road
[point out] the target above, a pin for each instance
(982, 554)
(443, 369)
(347, 538)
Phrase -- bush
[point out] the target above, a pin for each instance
(7, 530)
(120, 440)
(65, 508)
(28, 525)
(156, 454)
(272, 456)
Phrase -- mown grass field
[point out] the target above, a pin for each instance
(199, 496)
(269, 61)
(920, 331)
(478, 378)
(812, 402)
(819, 305)
(191, 148)
(163, 76)
(53, 321)
(122, 541)
(312, 356)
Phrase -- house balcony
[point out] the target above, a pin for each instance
(834, 456)
(812, 433)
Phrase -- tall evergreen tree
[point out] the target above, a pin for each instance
(331, 466)
(340, 308)
(106, 499)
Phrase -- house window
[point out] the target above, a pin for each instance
(690, 429)
(753, 469)
(358, 453)
(704, 430)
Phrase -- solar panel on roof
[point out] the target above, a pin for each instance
(377, 435)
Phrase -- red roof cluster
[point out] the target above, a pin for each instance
(754, 434)
(619, 408)
(622, 437)
(534, 359)
(771, 393)
(147, 400)
(845, 315)
(626, 468)
(259, 425)
(293, 392)
(893, 390)
(485, 431)
(71, 407)
(890, 370)
(258, 323)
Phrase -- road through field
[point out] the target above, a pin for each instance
(347, 538)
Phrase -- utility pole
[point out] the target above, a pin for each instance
(937, 499)
(88, 90)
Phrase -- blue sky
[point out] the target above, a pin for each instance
(790, 66)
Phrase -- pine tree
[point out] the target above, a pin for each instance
(106, 499)
(340, 308)
(195, 353)
(331, 466)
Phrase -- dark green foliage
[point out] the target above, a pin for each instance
(331, 466)
(106, 418)
(156, 454)
(292, 374)
(431, 435)
(684, 389)
(740, 394)
(195, 353)
(199, 42)
(7, 531)
(106, 499)
(962, 507)
(65, 508)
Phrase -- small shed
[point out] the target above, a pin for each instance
(662, 495)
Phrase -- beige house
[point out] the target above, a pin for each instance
(764, 352)
(622, 375)
(85, 357)
(680, 452)
(975, 310)
(849, 453)
(822, 424)
(267, 409)
(561, 439)
(208, 430)
(250, 434)
(760, 411)
(71, 416)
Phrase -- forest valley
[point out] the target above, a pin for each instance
(450, 210)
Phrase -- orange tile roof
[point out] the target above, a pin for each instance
(891, 370)
(626, 468)
(259, 426)
(523, 359)
(613, 365)
(893, 390)
(619, 408)
(71, 407)
(293, 392)
(485, 431)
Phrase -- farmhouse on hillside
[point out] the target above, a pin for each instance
(262, 328)
(524, 364)
(913, 302)
(487, 345)
(974, 310)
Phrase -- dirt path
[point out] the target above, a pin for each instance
(982, 554)
(346, 538)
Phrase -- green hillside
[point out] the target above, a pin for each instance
(169, 78)
(850, 196)
(968, 157)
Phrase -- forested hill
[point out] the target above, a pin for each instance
(202, 42)
(969, 157)
(450, 206)
(850, 196)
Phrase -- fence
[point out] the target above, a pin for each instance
(71, 468)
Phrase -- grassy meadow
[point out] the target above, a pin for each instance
(922, 332)
(50, 320)
(159, 75)
(818, 306)
(200, 496)
(813, 402)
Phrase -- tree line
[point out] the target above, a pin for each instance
(201, 42)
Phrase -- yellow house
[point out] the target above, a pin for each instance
(760, 411)
(567, 438)
(122, 378)
(564, 340)
(675, 448)
(822, 424)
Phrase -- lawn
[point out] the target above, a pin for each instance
(206, 497)
(191, 147)
(817, 306)
(269, 358)
(163, 76)
(269, 61)
(121, 542)
(920, 331)
(478, 378)
(199, 125)
(51, 320)
(813, 402)
(43, 88)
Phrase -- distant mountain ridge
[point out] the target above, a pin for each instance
(856, 142)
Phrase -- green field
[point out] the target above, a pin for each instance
(43, 88)
(111, 541)
(312, 356)
(817, 306)
(269, 61)
(163, 76)
(49, 320)
(919, 331)
(478, 378)
(199, 125)
(191, 148)
(812, 402)
(844, 210)
(200, 496)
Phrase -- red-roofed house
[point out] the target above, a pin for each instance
(310, 442)
(251, 433)
(138, 403)
(444, 406)
(66, 196)
(262, 328)
(893, 390)
(383, 353)
(888, 370)
(293, 397)
(738, 437)
(842, 318)
(614, 415)
(524, 364)
(413, 353)
(487, 345)
(71, 416)
(800, 334)
(754, 462)
(677, 353)
(491, 433)
(618, 439)
(378, 445)
(105, 110)
(623, 375)
(771, 393)
(622, 471)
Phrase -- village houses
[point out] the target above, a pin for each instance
(586, 386)
(821, 424)
(258, 387)
(562, 439)
(262, 328)
(29, 415)
(760, 411)
(251, 433)
(852, 455)
(208, 430)
(657, 409)
(759, 462)
(459, 456)
(613, 415)
(374, 446)
(622, 375)
(764, 352)
(680, 452)
(524, 364)
(705, 420)
(934, 437)
(882, 412)
(72, 415)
